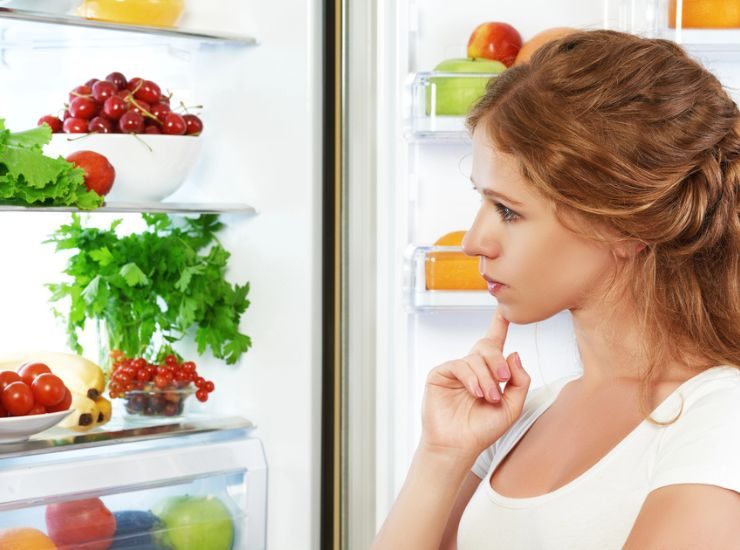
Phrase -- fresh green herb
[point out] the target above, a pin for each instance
(29, 178)
(152, 286)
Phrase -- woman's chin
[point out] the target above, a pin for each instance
(525, 316)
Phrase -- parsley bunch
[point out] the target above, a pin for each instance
(158, 283)
(29, 178)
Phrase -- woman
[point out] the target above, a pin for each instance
(609, 171)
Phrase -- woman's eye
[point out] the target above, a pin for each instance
(507, 214)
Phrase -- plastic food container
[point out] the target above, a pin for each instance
(167, 403)
(448, 268)
(155, 13)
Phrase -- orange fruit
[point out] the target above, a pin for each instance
(25, 538)
(538, 40)
(706, 14)
(452, 270)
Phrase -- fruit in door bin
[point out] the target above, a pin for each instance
(99, 173)
(495, 40)
(452, 270)
(540, 39)
(706, 14)
(454, 96)
(135, 530)
(82, 524)
(25, 538)
(195, 523)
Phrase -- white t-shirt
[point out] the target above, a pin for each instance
(599, 507)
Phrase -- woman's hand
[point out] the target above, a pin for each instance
(464, 411)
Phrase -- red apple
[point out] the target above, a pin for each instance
(83, 523)
(495, 40)
(99, 173)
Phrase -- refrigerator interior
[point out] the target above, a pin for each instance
(261, 148)
(425, 164)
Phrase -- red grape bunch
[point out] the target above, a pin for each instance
(116, 105)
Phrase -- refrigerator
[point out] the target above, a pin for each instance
(411, 168)
(256, 69)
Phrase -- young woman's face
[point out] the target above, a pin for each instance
(542, 267)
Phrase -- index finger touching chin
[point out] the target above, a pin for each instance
(497, 330)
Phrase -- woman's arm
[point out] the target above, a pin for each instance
(687, 516)
(464, 412)
(469, 486)
(419, 517)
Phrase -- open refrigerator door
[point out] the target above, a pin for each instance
(432, 305)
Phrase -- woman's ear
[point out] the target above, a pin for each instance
(628, 248)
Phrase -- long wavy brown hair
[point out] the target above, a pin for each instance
(631, 135)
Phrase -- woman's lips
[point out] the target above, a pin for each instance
(494, 286)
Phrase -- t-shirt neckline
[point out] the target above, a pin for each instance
(524, 502)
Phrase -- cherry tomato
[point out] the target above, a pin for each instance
(29, 371)
(64, 404)
(209, 386)
(3, 412)
(48, 389)
(17, 398)
(38, 408)
(8, 376)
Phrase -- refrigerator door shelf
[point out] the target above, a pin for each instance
(442, 278)
(704, 30)
(437, 102)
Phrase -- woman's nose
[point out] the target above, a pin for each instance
(480, 240)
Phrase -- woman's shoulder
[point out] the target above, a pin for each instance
(702, 444)
(718, 385)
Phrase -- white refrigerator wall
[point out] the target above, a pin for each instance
(262, 146)
(428, 194)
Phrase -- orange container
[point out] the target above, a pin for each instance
(706, 14)
(452, 270)
(155, 13)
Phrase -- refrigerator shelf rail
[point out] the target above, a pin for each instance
(53, 441)
(430, 277)
(135, 207)
(171, 33)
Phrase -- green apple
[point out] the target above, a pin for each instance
(195, 523)
(456, 95)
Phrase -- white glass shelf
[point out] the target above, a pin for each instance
(66, 20)
(131, 207)
(419, 298)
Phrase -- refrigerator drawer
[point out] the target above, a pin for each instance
(205, 491)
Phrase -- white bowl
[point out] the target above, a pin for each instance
(19, 428)
(149, 167)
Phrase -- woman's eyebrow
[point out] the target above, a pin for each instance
(495, 194)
